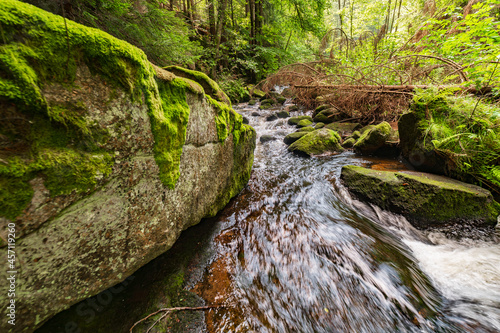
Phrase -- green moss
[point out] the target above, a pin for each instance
(423, 198)
(306, 129)
(169, 128)
(296, 120)
(292, 137)
(210, 86)
(458, 129)
(243, 148)
(373, 139)
(317, 142)
(304, 123)
(15, 195)
(227, 120)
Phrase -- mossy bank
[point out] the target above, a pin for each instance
(104, 158)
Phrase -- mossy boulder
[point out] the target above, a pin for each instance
(419, 152)
(280, 100)
(283, 114)
(328, 116)
(321, 108)
(317, 142)
(252, 102)
(292, 137)
(256, 92)
(304, 123)
(296, 120)
(307, 129)
(356, 135)
(266, 138)
(424, 199)
(210, 87)
(265, 106)
(349, 142)
(267, 101)
(343, 127)
(109, 150)
(291, 108)
(374, 140)
(319, 125)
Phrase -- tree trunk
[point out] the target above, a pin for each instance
(211, 18)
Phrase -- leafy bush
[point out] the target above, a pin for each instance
(235, 88)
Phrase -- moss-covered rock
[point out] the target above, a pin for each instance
(266, 138)
(306, 129)
(283, 114)
(292, 137)
(319, 125)
(210, 87)
(317, 142)
(252, 102)
(373, 140)
(321, 108)
(349, 142)
(356, 135)
(292, 108)
(108, 152)
(425, 199)
(265, 106)
(296, 120)
(304, 123)
(343, 127)
(328, 116)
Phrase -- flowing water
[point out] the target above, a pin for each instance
(295, 253)
(303, 256)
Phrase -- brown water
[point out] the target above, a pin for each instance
(295, 253)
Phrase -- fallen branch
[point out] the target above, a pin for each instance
(169, 310)
(389, 88)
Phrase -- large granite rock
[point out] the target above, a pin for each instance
(425, 199)
(108, 160)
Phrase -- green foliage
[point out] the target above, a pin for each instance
(473, 41)
(464, 130)
(163, 36)
(235, 88)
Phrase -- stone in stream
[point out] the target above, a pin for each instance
(292, 137)
(321, 108)
(265, 106)
(291, 108)
(343, 127)
(281, 99)
(375, 140)
(295, 120)
(252, 102)
(304, 123)
(328, 116)
(317, 142)
(283, 114)
(266, 138)
(255, 114)
(306, 129)
(246, 120)
(349, 142)
(424, 199)
(271, 117)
